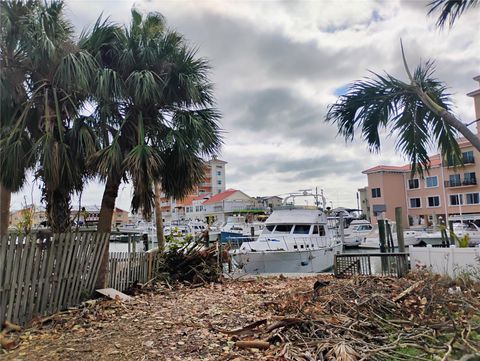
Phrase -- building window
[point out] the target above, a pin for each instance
(472, 198)
(431, 182)
(219, 182)
(415, 203)
(455, 180)
(433, 201)
(456, 199)
(219, 166)
(376, 193)
(219, 173)
(470, 178)
(468, 157)
(413, 184)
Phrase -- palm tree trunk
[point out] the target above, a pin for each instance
(105, 225)
(58, 210)
(449, 118)
(158, 216)
(462, 128)
(5, 197)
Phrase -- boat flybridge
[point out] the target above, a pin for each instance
(296, 239)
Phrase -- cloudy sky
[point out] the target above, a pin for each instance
(277, 65)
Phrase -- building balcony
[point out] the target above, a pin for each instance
(464, 183)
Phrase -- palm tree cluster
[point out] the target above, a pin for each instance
(119, 103)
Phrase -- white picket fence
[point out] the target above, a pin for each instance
(450, 261)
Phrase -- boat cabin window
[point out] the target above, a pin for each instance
(301, 229)
(319, 230)
(270, 227)
(283, 228)
(365, 227)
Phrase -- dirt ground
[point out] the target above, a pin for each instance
(164, 324)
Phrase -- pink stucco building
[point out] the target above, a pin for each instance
(448, 192)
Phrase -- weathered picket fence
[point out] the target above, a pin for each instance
(126, 268)
(44, 276)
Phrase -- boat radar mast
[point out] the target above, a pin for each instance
(290, 198)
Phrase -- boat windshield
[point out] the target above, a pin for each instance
(301, 229)
(270, 227)
(283, 228)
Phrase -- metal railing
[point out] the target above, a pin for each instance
(460, 183)
(383, 264)
(286, 243)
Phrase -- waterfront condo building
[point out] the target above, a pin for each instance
(213, 183)
(447, 191)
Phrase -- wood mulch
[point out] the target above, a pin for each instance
(419, 317)
(164, 324)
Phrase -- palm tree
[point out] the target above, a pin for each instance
(12, 95)
(155, 103)
(46, 125)
(450, 10)
(419, 111)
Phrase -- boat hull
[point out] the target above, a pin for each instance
(307, 261)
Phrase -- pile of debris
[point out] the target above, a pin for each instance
(422, 316)
(189, 260)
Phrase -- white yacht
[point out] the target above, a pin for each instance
(356, 232)
(296, 239)
(372, 239)
(460, 230)
(182, 228)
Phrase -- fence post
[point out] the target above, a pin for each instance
(400, 238)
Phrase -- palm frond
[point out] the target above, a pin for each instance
(450, 10)
(385, 102)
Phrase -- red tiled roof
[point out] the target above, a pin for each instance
(200, 197)
(220, 196)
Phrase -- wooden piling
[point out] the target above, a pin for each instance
(400, 238)
(382, 235)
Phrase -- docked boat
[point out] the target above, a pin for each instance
(356, 232)
(181, 229)
(460, 230)
(238, 227)
(372, 239)
(296, 239)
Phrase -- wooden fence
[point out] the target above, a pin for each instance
(43, 276)
(127, 268)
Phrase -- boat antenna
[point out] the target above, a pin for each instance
(317, 203)
(324, 201)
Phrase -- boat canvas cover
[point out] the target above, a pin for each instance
(296, 216)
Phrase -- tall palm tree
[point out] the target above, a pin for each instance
(14, 165)
(47, 125)
(419, 111)
(155, 102)
(450, 10)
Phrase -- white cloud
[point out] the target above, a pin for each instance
(303, 51)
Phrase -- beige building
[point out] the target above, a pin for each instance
(38, 214)
(89, 215)
(363, 201)
(452, 193)
(213, 183)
